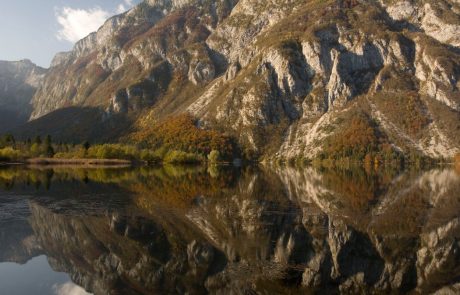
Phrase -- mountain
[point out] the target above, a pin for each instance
(286, 78)
(18, 84)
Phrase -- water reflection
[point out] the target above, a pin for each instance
(36, 277)
(268, 230)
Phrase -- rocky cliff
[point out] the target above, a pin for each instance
(282, 76)
(18, 83)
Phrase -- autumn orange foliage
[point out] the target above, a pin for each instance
(457, 162)
(356, 140)
(181, 133)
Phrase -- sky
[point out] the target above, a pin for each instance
(38, 29)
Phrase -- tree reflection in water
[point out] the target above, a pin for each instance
(221, 230)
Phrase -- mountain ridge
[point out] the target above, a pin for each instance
(285, 78)
(18, 83)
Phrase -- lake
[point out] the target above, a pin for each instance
(218, 230)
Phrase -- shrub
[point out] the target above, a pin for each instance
(77, 153)
(35, 150)
(214, 156)
(180, 157)
(113, 151)
(9, 154)
(150, 157)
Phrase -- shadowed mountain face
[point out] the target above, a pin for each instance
(171, 230)
(76, 124)
(18, 83)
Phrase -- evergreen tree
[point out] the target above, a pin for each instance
(49, 147)
(86, 145)
(38, 140)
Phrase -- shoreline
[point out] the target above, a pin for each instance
(71, 162)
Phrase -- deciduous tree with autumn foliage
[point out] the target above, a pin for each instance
(181, 132)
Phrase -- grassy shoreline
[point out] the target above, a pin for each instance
(70, 162)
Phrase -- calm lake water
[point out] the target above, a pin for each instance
(228, 231)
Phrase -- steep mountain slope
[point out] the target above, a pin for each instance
(285, 77)
(18, 83)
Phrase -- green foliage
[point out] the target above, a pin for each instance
(113, 151)
(35, 150)
(9, 154)
(149, 156)
(214, 156)
(69, 152)
(7, 140)
(129, 152)
(180, 157)
(49, 151)
(48, 148)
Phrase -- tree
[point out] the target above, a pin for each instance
(49, 151)
(38, 140)
(48, 147)
(9, 138)
(86, 145)
(35, 150)
(214, 156)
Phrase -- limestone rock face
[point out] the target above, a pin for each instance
(281, 76)
(438, 19)
(201, 71)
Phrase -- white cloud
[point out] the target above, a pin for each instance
(121, 8)
(76, 23)
(69, 289)
(126, 5)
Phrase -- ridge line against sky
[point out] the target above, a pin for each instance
(39, 30)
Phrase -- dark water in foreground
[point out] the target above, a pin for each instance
(249, 231)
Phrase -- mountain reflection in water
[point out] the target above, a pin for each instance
(212, 230)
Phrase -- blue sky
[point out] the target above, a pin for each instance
(38, 29)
